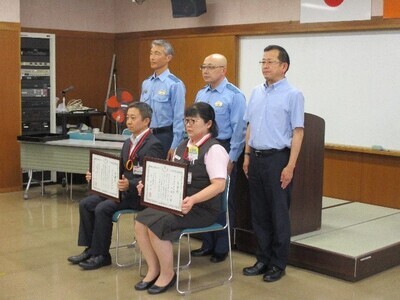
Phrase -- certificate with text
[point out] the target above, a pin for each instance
(105, 174)
(164, 184)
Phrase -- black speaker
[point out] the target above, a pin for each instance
(188, 8)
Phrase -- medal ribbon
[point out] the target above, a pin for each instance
(132, 156)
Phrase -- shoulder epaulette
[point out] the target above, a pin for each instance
(233, 88)
(174, 78)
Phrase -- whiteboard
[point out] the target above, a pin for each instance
(351, 80)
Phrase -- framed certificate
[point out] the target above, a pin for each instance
(105, 174)
(164, 184)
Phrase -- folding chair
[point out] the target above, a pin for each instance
(115, 218)
(212, 228)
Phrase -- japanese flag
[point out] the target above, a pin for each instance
(334, 10)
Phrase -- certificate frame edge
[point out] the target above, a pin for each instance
(165, 162)
(101, 153)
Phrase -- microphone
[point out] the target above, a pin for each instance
(68, 89)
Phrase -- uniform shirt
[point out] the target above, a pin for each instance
(273, 112)
(229, 105)
(166, 96)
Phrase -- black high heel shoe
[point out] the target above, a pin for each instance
(144, 285)
(155, 289)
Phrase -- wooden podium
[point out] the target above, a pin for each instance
(306, 205)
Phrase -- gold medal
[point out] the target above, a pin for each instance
(129, 165)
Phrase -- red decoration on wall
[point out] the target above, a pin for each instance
(333, 3)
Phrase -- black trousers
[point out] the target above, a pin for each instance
(95, 225)
(270, 208)
(166, 138)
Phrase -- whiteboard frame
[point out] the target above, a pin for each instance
(349, 79)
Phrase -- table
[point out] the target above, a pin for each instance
(112, 137)
(63, 117)
(71, 156)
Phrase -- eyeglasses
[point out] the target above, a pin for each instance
(190, 121)
(209, 67)
(269, 62)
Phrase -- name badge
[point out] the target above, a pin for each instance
(162, 92)
(137, 170)
(193, 153)
(189, 180)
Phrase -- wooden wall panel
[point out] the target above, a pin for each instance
(364, 177)
(127, 65)
(381, 180)
(84, 61)
(342, 175)
(10, 107)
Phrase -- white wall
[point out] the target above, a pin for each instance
(126, 16)
(9, 11)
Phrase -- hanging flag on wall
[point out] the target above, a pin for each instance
(391, 9)
(334, 10)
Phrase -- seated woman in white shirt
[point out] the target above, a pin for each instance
(156, 230)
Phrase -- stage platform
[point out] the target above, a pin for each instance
(356, 240)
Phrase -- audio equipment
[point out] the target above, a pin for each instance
(188, 8)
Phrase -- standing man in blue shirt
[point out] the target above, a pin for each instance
(165, 93)
(229, 105)
(275, 116)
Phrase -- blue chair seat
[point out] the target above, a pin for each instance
(213, 227)
(118, 214)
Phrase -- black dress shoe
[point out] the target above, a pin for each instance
(155, 289)
(273, 274)
(96, 262)
(201, 252)
(76, 259)
(144, 285)
(258, 269)
(218, 257)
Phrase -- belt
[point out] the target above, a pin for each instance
(268, 152)
(162, 129)
(223, 141)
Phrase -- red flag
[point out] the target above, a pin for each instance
(334, 10)
(391, 9)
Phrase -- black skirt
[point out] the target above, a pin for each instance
(168, 227)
